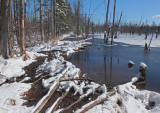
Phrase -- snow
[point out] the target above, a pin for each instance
(13, 67)
(134, 39)
(10, 93)
(133, 101)
(52, 67)
(131, 62)
(137, 40)
(143, 65)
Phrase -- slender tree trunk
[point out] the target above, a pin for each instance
(78, 17)
(4, 14)
(35, 11)
(48, 26)
(119, 22)
(85, 25)
(51, 16)
(113, 27)
(41, 23)
(25, 10)
(87, 28)
(0, 28)
(106, 26)
(22, 27)
(17, 23)
(54, 17)
(9, 28)
(36, 21)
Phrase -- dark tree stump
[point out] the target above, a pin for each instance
(143, 70)
(146, 46)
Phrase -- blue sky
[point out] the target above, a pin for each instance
(133, 10)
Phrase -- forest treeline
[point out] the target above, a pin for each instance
(25, 23)
(131, 28)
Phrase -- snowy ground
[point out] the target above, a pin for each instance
(127, 99)
(136, 39)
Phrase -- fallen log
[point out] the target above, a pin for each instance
(80, 79)
(69, 107)
(80, 99)
(40, 107)
(97, 102)
(56, 106)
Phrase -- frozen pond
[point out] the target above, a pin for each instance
(110, 63)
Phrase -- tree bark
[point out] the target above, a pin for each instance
(9, 28)
(4, 14)
(0, 29)
(23, 51)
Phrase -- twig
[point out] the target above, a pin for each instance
(129, 94)
(39, 79)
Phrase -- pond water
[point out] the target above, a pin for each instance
(109, 64)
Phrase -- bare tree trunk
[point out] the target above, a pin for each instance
(87, 28)
(36, 21)
(113, 27)
(17, 23)
(23, 51)
(4, 14)
(106, 27)
(119, 23)
(51, 14)
(41, 23)
(78, 17)
(25, 9)
(85, 25)
(48, 27)
(0, 28)
(9, 28)
(54, 17)
(35, 10)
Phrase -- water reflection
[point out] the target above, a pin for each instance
(110, 64)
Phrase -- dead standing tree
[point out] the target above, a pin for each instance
(119, 22)
(22, 36)
(106, 26)
(113, 26)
